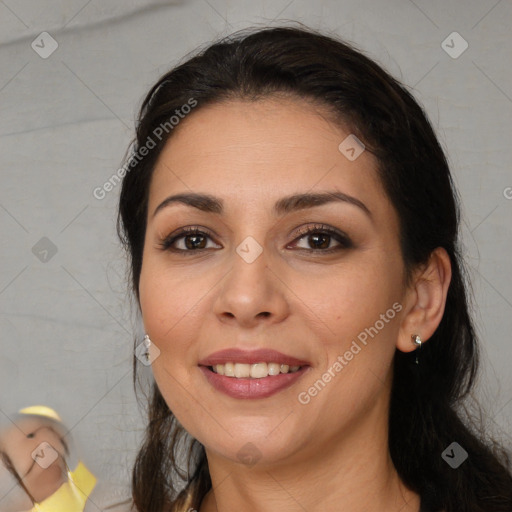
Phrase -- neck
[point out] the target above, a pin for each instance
(353, 472)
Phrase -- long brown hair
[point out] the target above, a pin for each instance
(414, 172)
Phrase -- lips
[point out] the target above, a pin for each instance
(251, 388)
(235, 355)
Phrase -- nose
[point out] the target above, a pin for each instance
(251, 293)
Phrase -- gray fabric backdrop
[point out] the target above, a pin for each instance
(66, 119)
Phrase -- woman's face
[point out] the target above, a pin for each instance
(253, 280)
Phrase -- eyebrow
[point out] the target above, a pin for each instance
(287, 204)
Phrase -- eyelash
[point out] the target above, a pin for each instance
(340, 237)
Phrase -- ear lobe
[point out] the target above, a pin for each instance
(426, 300)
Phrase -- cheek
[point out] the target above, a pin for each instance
(356, 312)
(350, 298)
(169, 300)
(172, 304)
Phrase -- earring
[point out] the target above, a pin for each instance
(147, 344)
(416, 339)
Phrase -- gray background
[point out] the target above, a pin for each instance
(66, 323)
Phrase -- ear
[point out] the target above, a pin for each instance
(425, 300)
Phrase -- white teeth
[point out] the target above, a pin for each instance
(273, 368)
(242, 370)
(259, 370)
(229, 369)
(253, 371)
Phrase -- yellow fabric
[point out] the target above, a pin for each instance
(41, 410)
(71, 496)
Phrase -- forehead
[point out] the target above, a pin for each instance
(261, 150)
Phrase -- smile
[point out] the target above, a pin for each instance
(252, 387)
(253, 371)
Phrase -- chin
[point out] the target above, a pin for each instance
(251, 448)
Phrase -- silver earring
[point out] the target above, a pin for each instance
(147, 344)
(416, 339)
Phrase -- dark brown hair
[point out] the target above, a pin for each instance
(426, 403)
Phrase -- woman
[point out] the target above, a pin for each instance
(292, 228)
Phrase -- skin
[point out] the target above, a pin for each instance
(19, 442)
(332, 453)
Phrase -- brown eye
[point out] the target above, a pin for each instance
(319, 234)
(194, 240)
(31, 435)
